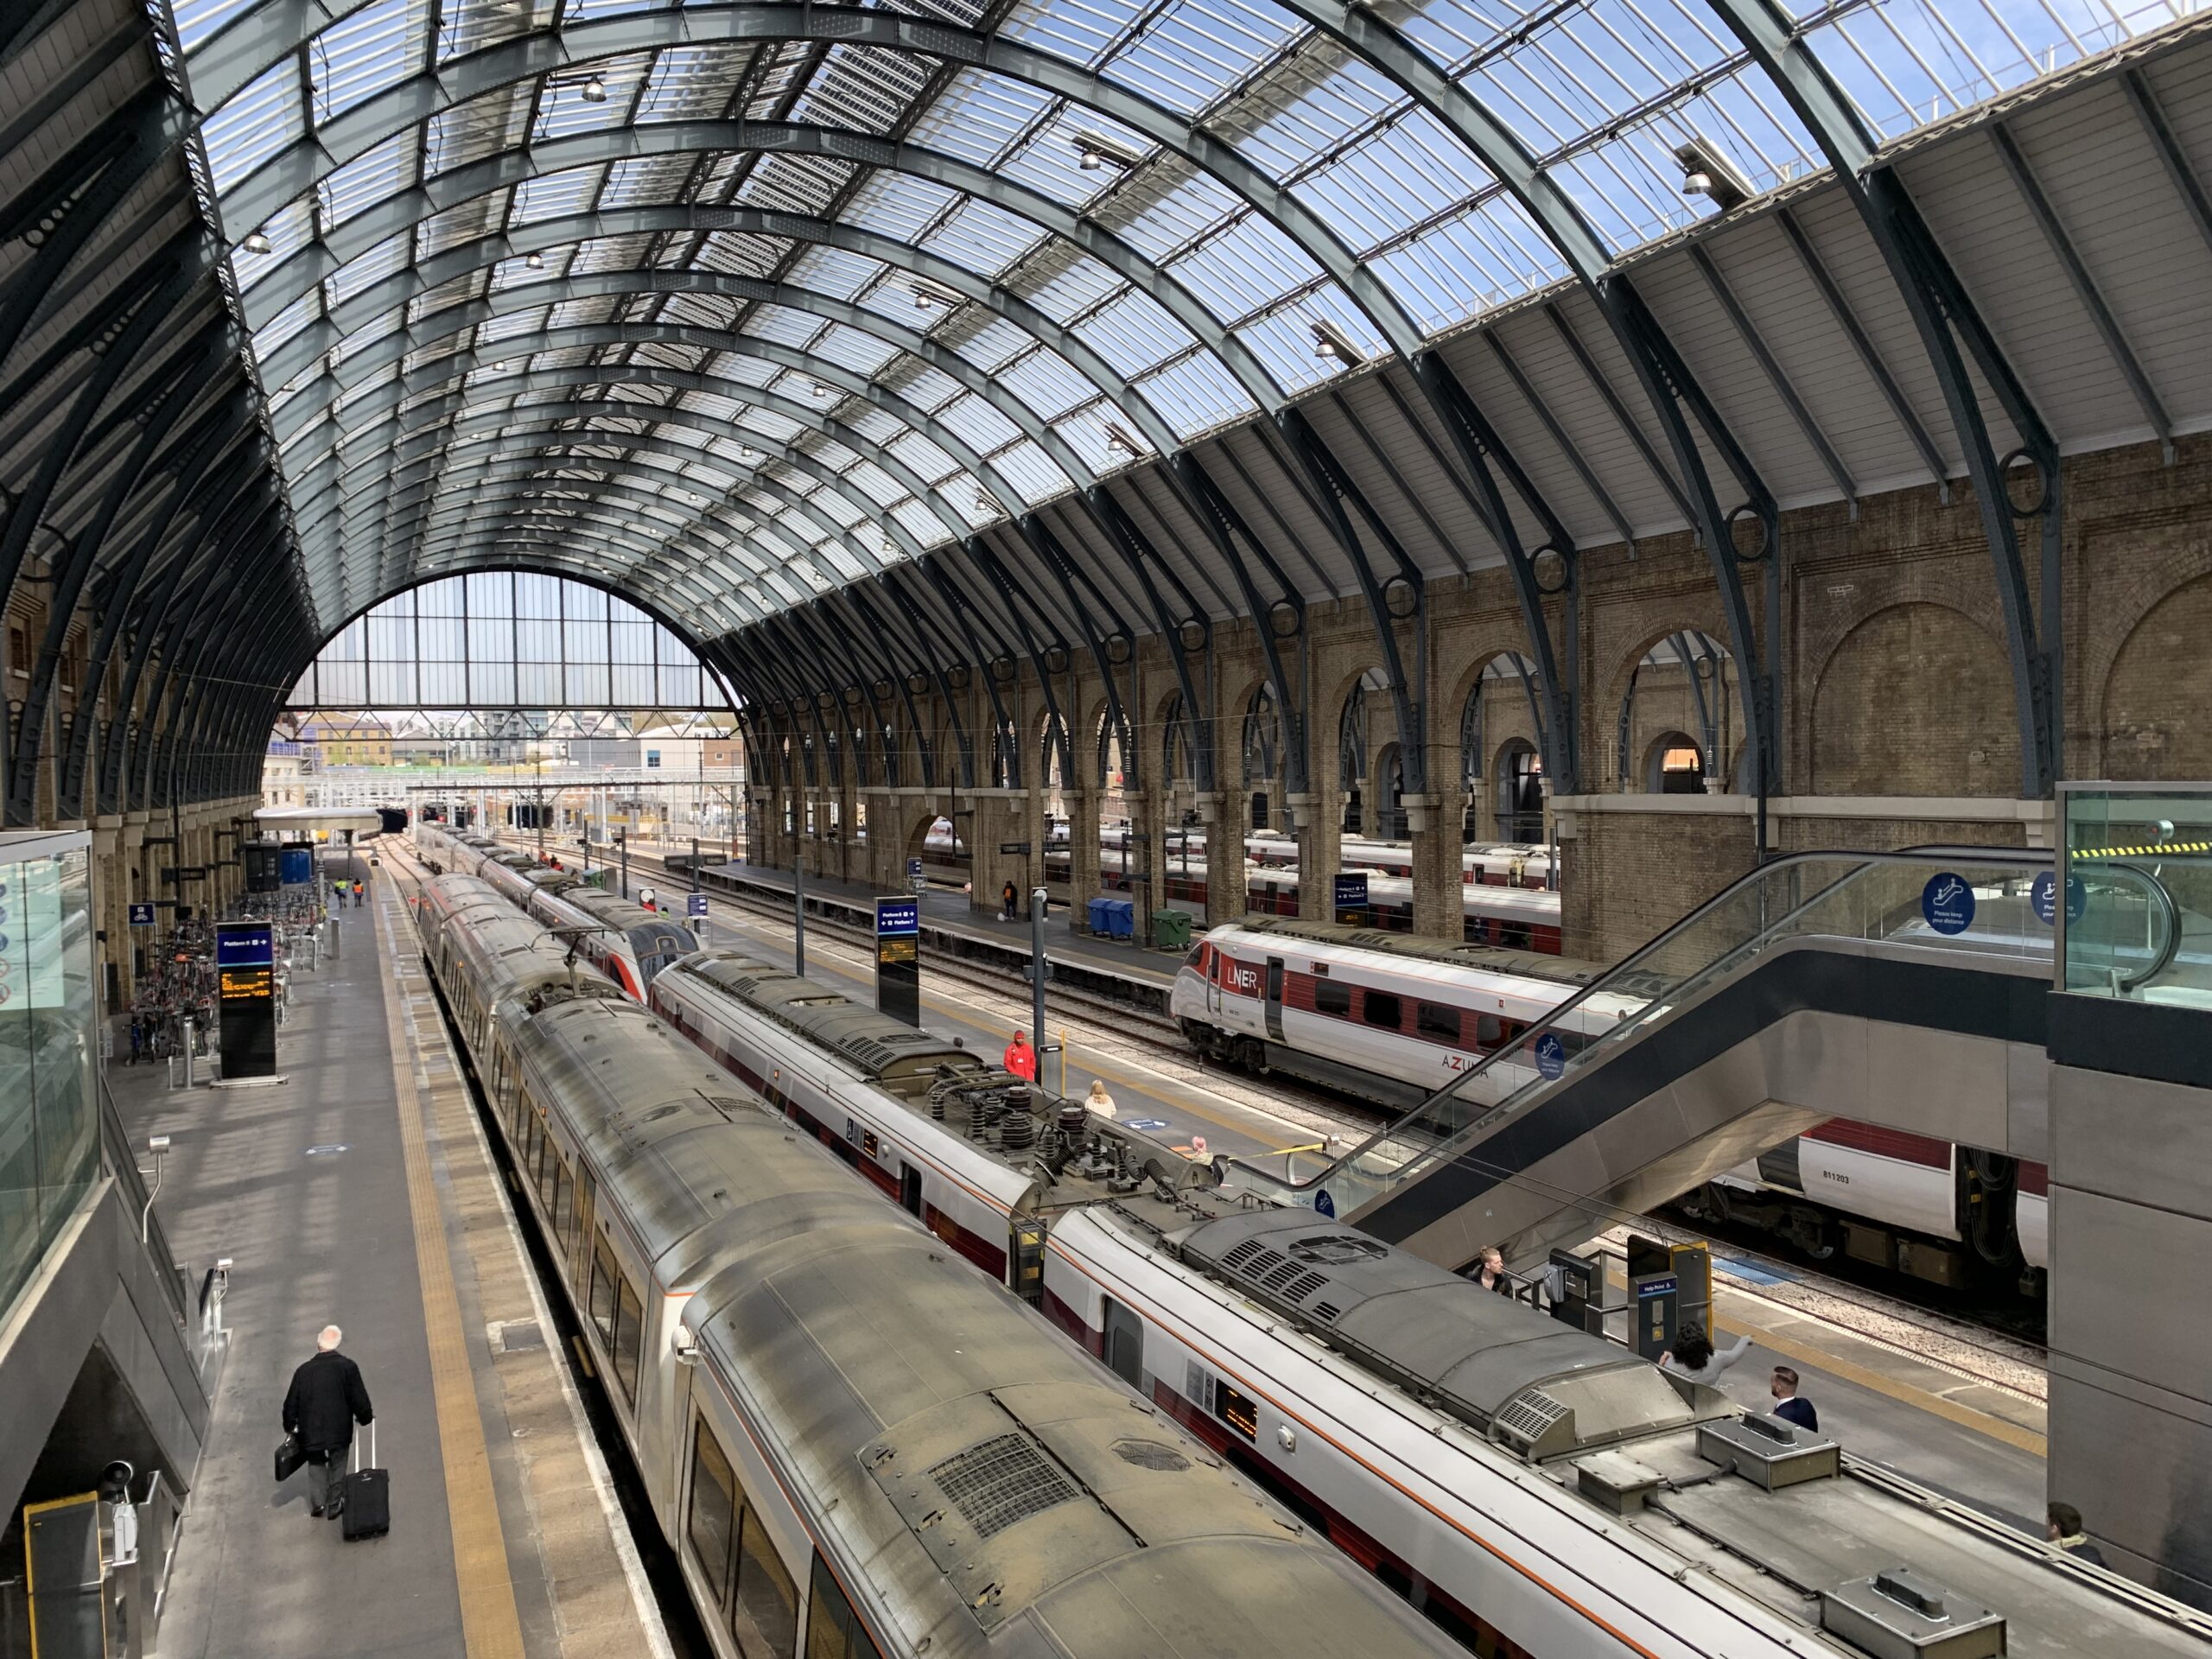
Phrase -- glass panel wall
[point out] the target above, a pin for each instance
(505, 639)
(49, 1127)
(2138, 892)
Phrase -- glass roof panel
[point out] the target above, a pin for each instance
(261, 120)
(1191, 51)
(367, 53)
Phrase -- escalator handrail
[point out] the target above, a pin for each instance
(123, 1163)
(2008, 858)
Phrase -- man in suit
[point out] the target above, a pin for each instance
(326, 1399)
(1787, 1405)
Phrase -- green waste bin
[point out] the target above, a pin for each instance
(1171, 930)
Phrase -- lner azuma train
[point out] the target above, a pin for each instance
(857, 1448)
(1536, 1490)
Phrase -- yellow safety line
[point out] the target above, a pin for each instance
(491, 1628)
(1866, 1377)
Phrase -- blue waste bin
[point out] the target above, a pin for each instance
(1121, 917)
(1096, 912)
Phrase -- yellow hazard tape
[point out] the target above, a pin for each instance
(2166, 848)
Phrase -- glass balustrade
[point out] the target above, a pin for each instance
(49, 1120)
(2122, 840)
(1943, 905)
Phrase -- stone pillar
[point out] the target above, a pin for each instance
(1001, 819)
(1148, 856)
(1084, 876)
(1317, 822)
(1437, 912)
(1227, 899)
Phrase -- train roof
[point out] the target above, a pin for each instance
(1528, 965)
(884, 1051)
(1540, 1387)
(1006, 1497)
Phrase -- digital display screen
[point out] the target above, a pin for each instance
(248, 985)
(896, 950)
(247, 945)
(1237, 1410)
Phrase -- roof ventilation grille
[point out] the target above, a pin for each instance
(995, 1482)
(1527, 1420)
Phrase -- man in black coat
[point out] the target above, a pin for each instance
(326, 1399)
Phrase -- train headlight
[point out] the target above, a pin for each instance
(686, 1345)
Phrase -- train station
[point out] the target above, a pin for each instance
(1234, 827)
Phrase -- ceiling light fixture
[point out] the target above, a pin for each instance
(255, 242)
(594, 91)
(1093, 153)
(1332, 346)
(535, 260)
(823, 389)
(1117, 438)
(1707, 172)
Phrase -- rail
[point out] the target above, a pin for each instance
(1997, 908)
(122, 1163)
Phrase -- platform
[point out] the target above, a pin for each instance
(359, 1190)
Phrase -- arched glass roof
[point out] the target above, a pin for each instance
(742, 303)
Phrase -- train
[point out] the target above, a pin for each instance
(1469, 1450)
(857, 1448)
(628, 943)
(1391, 1020)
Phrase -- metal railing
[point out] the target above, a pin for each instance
(1870, 898)
(122, 1160)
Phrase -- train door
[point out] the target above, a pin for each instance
(1214, 969)
(1124, 1347)
(910, 1188)
(1274, 999)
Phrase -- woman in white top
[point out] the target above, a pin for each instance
(1098, 1100)
(1693, 1356)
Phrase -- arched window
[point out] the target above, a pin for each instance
(1179, 757)
(1520, 792)
(1262, 748)
(1680, 699)
(1351, 749)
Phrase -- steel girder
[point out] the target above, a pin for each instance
(1944, 315)
(298, 168)
(857, 596)
(203, 471)
(169, 404)
(1408, 693)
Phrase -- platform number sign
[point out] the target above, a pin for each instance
(1551, 1056)
(1947, 902)
(2042, 897)
(142, 915)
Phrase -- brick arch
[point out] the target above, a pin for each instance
(2124, 600)
(1624, 666)
(2152, 700)
(1916, 699)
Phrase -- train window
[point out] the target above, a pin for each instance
(764, 1614)
(1196, 958)
(580, 1226)
(1382, 1008)
(833, 1632)
(1237, 1410)
(603, 1275)
(1490, 1031)
(1434, 1020)
(1124, 1342)
(549, 1165)
(1329, 997)
(628, 1338)
(564, 1193)
(711, 1525)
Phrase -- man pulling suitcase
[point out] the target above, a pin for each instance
(326, 1398)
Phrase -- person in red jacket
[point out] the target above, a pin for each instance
(1021, 1059)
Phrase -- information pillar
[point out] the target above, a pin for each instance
(245, 964)
(898, 959)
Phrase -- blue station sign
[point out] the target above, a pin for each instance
(1947, 902)
(894, 917)
(142, 915)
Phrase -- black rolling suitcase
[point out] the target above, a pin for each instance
(364, 1496)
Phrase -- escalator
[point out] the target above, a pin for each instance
(1903, 990)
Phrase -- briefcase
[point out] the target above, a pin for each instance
(289, 1457)
(364, 1496)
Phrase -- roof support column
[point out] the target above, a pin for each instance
(1182, 637)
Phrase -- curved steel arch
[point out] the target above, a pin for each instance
(405, 208)
(500, 482)
(495, 467)
(870, 244)
(301, 165)
(683, 380)
(492, 428)
(430, 521)
(824, 370)
(454, 319)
